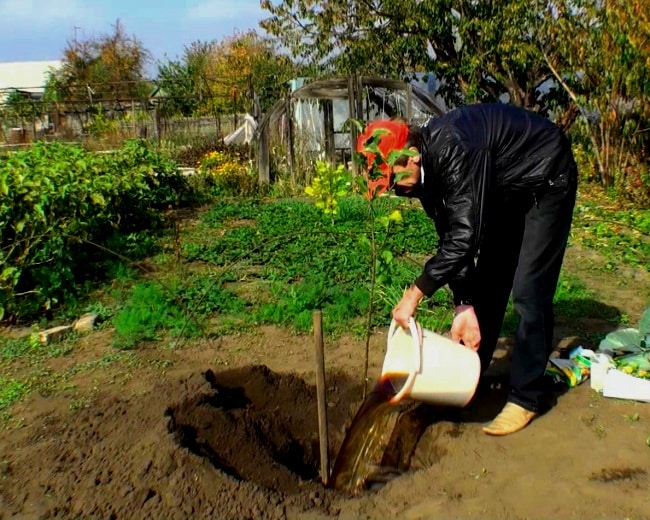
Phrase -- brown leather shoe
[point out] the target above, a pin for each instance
(511, 419)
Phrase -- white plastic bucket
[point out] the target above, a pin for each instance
(436, 370)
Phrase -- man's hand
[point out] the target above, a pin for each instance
(465, 327)
(405, 309)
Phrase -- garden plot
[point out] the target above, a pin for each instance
(224, 425)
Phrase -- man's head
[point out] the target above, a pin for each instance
(392, 136)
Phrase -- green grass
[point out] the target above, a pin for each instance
(301, 261)
(16, 348)
(31, 347)
(11, 390)
(572, 301)
(276, 261)
(149, 310)
(621, 235)
(20, 379)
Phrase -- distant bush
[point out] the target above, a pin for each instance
(228, 173)
(190, 153)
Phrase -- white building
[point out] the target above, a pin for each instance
(26, 76)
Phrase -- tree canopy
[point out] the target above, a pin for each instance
(561, 58)
(110, 67)
(481, 51)
(241, 72)
(601, 58)
(182, 82)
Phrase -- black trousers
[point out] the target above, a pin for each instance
(521, 253)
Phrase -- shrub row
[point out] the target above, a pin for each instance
(60, 205)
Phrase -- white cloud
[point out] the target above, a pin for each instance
(40, 13)
(225, 9)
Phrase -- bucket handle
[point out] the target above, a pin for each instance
(415, 329)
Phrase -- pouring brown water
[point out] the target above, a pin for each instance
(359, 460)
(419, 366)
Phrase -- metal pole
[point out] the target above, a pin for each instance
(322, 404)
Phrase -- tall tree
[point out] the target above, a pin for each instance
(481, 50)
(247, 72)
(108, 68)
(242, 72)
(602, 59)
(182, 82)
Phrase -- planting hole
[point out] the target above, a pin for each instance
(254, 425)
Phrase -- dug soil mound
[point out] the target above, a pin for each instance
(240, 443)
(229, 430)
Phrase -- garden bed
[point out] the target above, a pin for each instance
(138, 421)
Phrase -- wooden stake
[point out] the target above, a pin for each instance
(322, 404)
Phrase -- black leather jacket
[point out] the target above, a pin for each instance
(471, 157)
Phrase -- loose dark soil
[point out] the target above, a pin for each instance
(228, 429)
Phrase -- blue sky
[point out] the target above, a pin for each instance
(39, 29)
